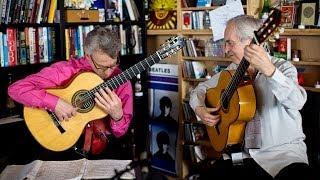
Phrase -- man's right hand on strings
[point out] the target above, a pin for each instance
(64, 110)
(209, 116)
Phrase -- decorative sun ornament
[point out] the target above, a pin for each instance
(163, 14)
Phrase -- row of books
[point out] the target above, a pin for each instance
(130, 37)
(194, 69)
(27, 46)
(198, 48)
(121, 10)
(74, 38)
(195, 20)
(194, 47)
(203, 3)
(189, 115)
(194, 132)
(27, 11)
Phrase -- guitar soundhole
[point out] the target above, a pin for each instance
(83, 101)
(224, 101)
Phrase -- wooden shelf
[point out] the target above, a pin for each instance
(301, 32)
(195, 80)
(10, 119)
(313, 89)
(197, 32)
(306, 63)
(199, 8)
(202, 8)
(222, 59)
(162, 32)
(139, 23)
(23, 25)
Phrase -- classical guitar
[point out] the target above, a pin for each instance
(236, 95)
(58, 135)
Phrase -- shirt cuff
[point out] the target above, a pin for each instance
(50, 102)
(278, 77)
(115, 123)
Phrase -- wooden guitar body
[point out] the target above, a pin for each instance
(43, 127)
(58, 135)
(236, 96)
(241, 109)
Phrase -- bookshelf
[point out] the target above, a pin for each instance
(307, 40)
(60, 25)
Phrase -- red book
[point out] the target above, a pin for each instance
(12, 46)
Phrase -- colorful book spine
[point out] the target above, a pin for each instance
(53, 7)
(12, 46)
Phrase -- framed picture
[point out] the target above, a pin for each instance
(309, 13)
(163, 111)
(288, 14)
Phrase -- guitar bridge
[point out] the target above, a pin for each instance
(56, 122)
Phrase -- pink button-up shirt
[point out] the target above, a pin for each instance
(31, 91)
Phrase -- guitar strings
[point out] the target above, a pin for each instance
(234, 81)
(90, 94)
(243, 66)
(115, 82)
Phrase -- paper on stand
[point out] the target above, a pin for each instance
(73, 169)
(220, 16)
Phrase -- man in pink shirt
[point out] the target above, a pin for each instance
(101, 48)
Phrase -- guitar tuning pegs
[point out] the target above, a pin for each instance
(281, 30)
(277, 35)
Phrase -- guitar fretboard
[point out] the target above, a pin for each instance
(126, 75)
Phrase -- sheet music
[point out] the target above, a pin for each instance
(99, 169)
(61, 170)
(220, 16)
(27, 171)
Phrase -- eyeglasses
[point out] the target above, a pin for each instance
(102, 67)
(230, 43)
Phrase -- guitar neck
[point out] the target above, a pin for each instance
(237, 77)
(128, 74)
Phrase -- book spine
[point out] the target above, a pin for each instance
(5, 50)
(45, 35)
(66, 33)
(31, 45)
(1, 50)
(12, 46)
(52, 9)
(3, 13)
(23, 53)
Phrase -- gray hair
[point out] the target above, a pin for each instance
(245, 25)
(103, 39)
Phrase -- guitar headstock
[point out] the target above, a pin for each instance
(269, 26)
(171, 46)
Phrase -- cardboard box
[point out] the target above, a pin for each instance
(79, 15)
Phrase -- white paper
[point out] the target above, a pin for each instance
(220, 16)
(54, 170)
(18, 172)
(61, 170)
(102, 169)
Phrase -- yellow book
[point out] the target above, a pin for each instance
(53, 7)
(66, 32)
